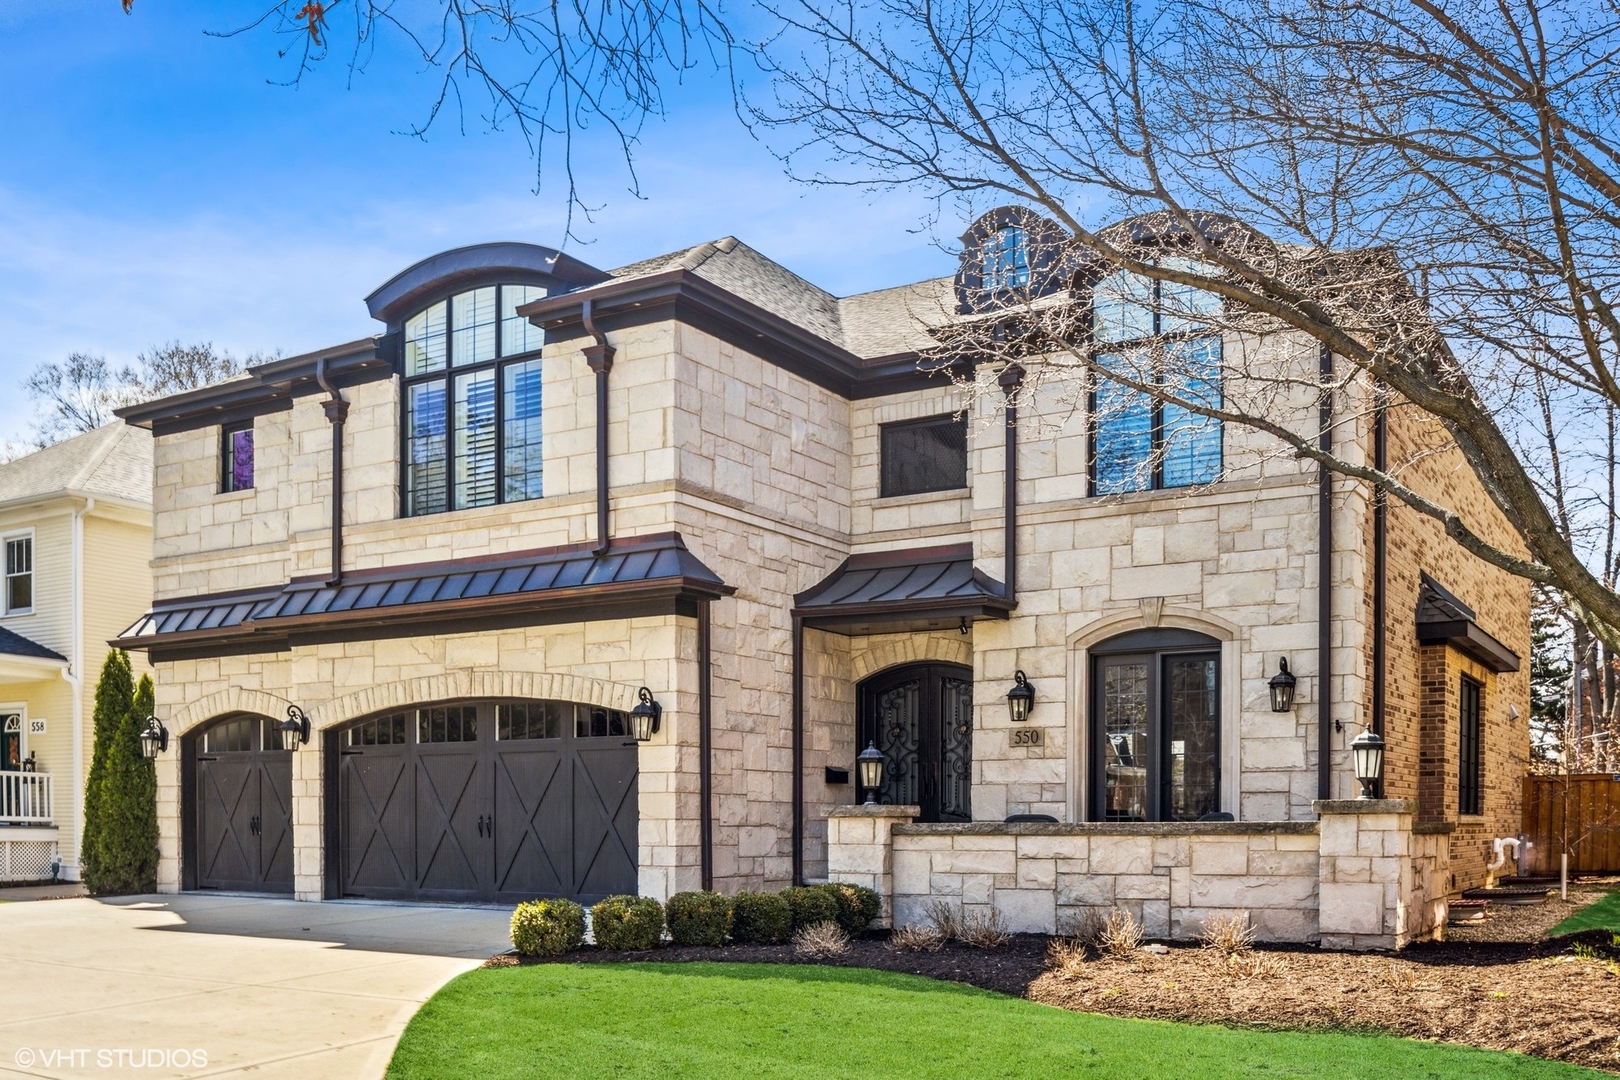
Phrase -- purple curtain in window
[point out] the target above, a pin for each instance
(241, 459)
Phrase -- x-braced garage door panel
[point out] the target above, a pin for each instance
(243, 805)
(488, 801)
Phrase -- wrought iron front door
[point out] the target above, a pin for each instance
(921, 718)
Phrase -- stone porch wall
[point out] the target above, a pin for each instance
(1360, 878)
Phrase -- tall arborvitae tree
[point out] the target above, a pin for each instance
(115, 694)
(128, 854)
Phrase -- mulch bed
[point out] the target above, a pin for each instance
(1499, 985)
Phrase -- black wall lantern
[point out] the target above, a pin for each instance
(869, 769)
(646, 717)
(294, 730)
(155, 739)
(1020, 699)
(1368, 751)
(1282, 687)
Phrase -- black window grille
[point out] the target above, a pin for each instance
(1470, 750)
(924, 455)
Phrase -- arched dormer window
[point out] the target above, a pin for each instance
(472, 408)
(1006, 258)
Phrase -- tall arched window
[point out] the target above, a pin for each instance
(1155, 726)
(472, 401)
(1006, 259)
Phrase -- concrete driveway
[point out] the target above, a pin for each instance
(207, 985)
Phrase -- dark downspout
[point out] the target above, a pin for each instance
(1380, 558)
(1324, 587)
(1011, 378)
(705, 741)
(337, 411)
(798, 750)
(600, 357)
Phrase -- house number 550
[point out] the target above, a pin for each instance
(1024, 737)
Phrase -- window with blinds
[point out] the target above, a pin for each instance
(472, 423)
(924, 455)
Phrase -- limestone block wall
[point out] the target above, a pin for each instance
(1383, 885)
(599, 663)
(1170, 877)
(861, 849)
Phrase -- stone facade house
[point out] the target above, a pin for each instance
(464, 546)
(76, 532)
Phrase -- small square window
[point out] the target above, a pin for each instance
(236, 457)
(924, 455)
(20, 575)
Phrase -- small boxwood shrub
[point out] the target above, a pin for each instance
(810, 905)
(760, 919)
(857, 906)
(547, 927)
(627, 922)
(698, 918)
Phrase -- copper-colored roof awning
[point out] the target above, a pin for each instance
(640, 576)
(933, 588)
(1442, 619)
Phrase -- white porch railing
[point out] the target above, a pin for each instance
(25, 798)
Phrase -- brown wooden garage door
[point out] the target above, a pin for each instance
(243, 803)
(488, 801)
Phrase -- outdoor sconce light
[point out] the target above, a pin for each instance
(1282, 687)
(155, 739)
(1020, 699)
(646, 716)
(1368, 751)
(869, 770)
(294, 730)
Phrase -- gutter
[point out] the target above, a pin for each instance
(600, 358)
(74, 674)
(1324, 587)
(1011, 378)
(337, 411)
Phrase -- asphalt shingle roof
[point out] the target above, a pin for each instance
(14, 644)
(872, 324)
(113, 461)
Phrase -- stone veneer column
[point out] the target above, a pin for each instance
(1373, 890)
(309, 881)
(860, 849)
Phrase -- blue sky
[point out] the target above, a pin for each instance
(155, 185)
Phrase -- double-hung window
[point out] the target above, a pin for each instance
(19, 575)
(472, 418)
(1155, 334)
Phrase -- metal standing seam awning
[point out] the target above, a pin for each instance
(911, 589)
(1442, 619)
(644, 575)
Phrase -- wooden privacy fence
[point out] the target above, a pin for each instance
(1579, 814)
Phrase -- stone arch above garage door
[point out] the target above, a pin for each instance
(232, 700)
(458, 685)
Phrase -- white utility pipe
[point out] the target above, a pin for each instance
(1499, 858)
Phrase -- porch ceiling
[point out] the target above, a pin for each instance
(24, 660)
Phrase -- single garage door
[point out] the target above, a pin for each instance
(491, 801)
(242, 793)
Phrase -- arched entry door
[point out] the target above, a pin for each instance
(921, 717)
(487, 801)
(241, 799)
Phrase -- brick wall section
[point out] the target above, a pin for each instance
(1421, 707)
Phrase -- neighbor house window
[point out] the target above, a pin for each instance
(1006, 259)
(1156, 727)
(1470, 749)
(924, 455)
(236, 461)
(472, 401)
(20, 575)
(1154, 333)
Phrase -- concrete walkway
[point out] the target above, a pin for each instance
(207, 985)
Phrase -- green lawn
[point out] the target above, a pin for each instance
(765, 1020)
(1603, 915)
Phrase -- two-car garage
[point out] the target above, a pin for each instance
(469, 801)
